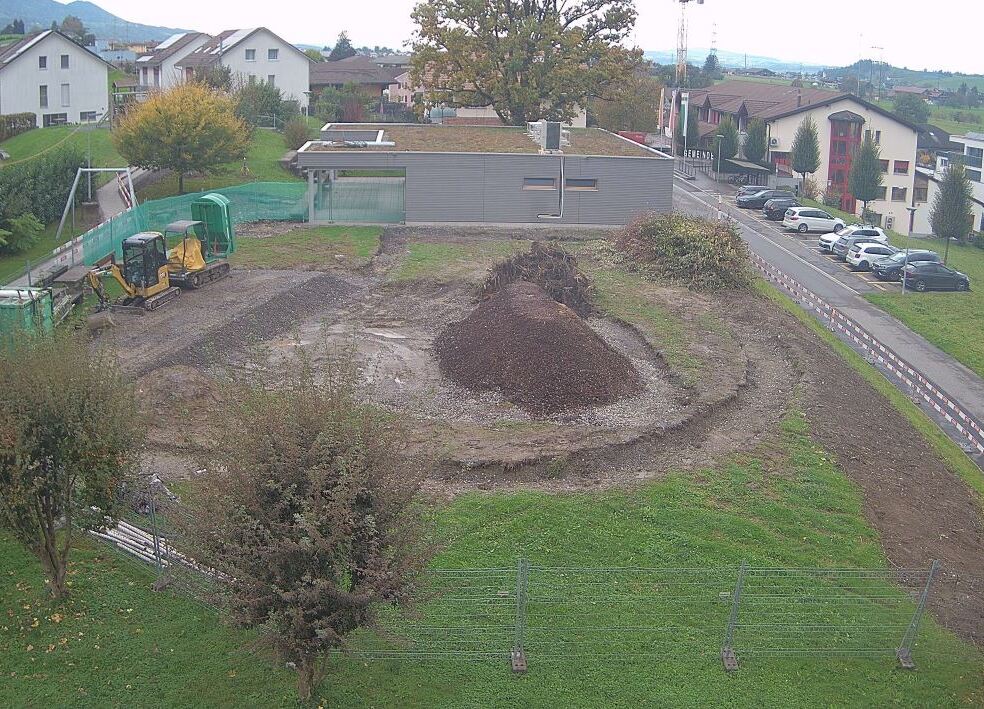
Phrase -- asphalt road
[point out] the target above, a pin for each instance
(799, 257)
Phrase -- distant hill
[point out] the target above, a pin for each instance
(905, 76)
(734, 60)
(101, 23)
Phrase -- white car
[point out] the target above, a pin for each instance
(863, 254)
(826, 241)
(804, 219)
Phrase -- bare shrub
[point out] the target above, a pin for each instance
(548, 266)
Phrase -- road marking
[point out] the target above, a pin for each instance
(782, 248)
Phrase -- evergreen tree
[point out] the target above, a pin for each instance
(865, 180)
(806, 149)
(726, 147)
(712, 67)
(951, 216)
(343, 48)
(693, 130)
(755, 141)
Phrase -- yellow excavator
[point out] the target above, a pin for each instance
(151, 275)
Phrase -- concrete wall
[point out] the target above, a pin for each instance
(291, 68)
(897, 143)
(480, 187)
(87, 77)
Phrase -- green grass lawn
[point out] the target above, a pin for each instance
(12, 265)
(316, 246)
(265, 151)
(444, 262)
(33, 142)
(116, 643)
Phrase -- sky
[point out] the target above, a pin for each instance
(914, 33)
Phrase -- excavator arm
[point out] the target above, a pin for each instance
(96, 277)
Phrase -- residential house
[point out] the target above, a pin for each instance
(255, 54)
(842, 121)
(157, 69)
(970, 151)
(358, 70)
(53, 77)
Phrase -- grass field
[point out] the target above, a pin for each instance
(33, 142)
(12, 265)
(118, 643)
(955, 121)
(446, 262)
(309, 247)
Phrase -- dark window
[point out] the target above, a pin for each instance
(43, 97)
(884, 165)
(42, 63)
(251, 55)
(974, 175)
(582, 184)
(273, 54)
(882, 191)
(64, 61)
(54, 119)
(87, 116)
(901, 167)
(539, 183)
(899, 194)
(877, 137)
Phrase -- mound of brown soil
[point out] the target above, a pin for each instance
(538, 353)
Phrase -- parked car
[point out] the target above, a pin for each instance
(804, 219)
(844, 244)
(750, 189)
(890, 269)
(757, 200)
(775, 209)
(863, 254)
(826, 241)
(929, 275)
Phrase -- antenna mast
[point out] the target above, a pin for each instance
(681, 66)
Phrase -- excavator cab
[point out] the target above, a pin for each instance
(145, 263)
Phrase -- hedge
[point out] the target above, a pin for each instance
(15, 124)
(39, 186)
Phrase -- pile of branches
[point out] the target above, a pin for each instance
(549, 266)
(701, 254)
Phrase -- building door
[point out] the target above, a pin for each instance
(360, 196)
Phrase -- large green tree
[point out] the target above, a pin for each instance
(191, 128)
(912, 108)
(68, 439)
(726, 147)
(805, 158)
(755, 141)
(632, 104)
(529, 60)
(865, 179)
(952, 216)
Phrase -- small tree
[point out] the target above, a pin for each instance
(726, 147)
(187, 129)
(328, 107)
(217, 76)
(755, 141)
(68, 437)
(865, 179)
(712, 67)
(296, 133)
(952, 216)
(314, 55)
(312, 514)
(912, 108)
(805, 157)
(22, 233)
(343, 48)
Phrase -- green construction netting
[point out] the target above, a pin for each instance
(256, 201)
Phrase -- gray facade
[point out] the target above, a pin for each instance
(489, 187)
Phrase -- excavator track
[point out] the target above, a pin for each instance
(156, 301)
(197, 279)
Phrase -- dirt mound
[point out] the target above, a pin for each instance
(538, 353)
(550, 267)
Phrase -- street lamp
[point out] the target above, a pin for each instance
(912, 220)
(718, 138)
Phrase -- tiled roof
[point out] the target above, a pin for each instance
(353, 70)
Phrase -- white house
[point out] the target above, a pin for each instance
(158, 68)
(255, 55)
(972, 157)
(51, 76)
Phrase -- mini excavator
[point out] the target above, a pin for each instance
(151, 275)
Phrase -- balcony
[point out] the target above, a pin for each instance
(970, 161)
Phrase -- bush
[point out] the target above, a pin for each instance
(39, 186)
(810, 190)
(296, 134)
(551, 268)
(15, 124)
(20, 233)
(259, 102)
(832, 197)
(698, 253)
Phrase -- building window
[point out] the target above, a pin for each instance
(877, 137)
(899, 194)
(884, 166)
(273, 54)
(252, 79)
(87, 117)
(882, 191)
(157, 76)
(66, 96)
(539, 183)
(272, 79)
(581, 184)
(64, 61)
(922, 195)
(43, 90)
(251, 55)
(54, 119)
(974, 175)
(901, 167)
(867, 134)
(839, 177)
(43, 63)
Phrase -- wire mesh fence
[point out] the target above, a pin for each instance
(530, 614)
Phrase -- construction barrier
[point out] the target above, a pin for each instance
(919, 385)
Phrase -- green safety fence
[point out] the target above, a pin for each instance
(256, 201)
